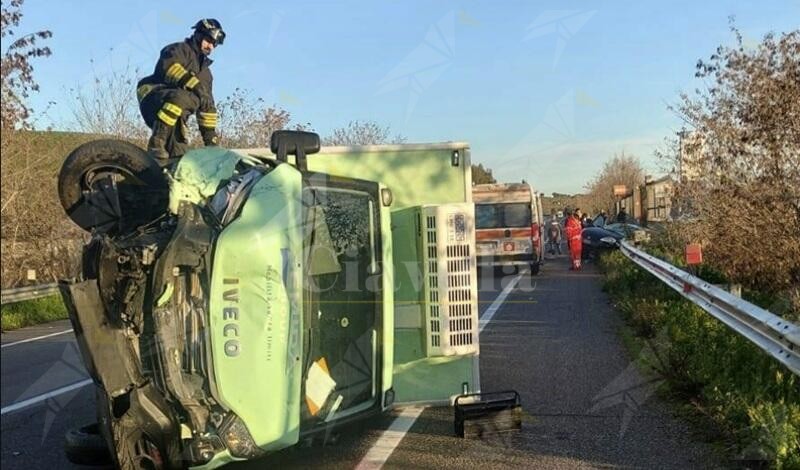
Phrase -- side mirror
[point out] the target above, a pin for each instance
(297, 143)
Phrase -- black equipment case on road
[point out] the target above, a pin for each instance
(480, 414)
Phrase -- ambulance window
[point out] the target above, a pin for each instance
(516, 215)
(487, 216)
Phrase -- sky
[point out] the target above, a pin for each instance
(544, 91)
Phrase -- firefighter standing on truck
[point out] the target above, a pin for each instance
(179, 87)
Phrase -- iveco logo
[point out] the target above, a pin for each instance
(230, 314)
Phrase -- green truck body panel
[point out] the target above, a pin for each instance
(416, 177)
(416, 173)
(256, 311)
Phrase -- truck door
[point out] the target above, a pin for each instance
(343, 299)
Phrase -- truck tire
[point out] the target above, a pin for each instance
(141, 186)
(86, 446)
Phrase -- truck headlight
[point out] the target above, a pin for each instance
(238, 439)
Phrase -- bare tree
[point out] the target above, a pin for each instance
(19, 167)
(33, 226)
(247, 121)
(745, 193)
(16, 69)
(362, 133)
(482, 175)
(621, 169)
(107, 105)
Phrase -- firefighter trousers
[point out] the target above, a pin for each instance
(171, 106)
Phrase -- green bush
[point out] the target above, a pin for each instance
(643, 315)
(754, 400)
(774, 433)
(32, 312)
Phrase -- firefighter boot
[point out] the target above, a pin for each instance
(156, 146)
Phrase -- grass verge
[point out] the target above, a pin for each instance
(751, 399)
(32, 312)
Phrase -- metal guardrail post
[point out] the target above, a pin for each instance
(772, 334)
(9, 296)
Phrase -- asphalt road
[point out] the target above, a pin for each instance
(554, 339)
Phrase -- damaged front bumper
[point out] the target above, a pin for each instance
(131, 410)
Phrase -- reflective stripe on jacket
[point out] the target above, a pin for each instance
(183, 65)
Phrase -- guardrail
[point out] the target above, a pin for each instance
(774, 335)
(9, 296)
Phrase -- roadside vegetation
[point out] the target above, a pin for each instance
(621, 169)
(32, 312)
(737, 193)
(752, 400)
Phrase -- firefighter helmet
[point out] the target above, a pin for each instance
(211, 30)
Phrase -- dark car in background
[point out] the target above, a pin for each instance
(598, 239)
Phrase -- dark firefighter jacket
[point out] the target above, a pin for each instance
(183, 66)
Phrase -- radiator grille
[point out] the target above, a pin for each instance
(433, 283)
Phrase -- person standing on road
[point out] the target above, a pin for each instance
(179, 87)
(554, 235)
(574, 241)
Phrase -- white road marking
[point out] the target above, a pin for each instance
(383, 448)
(390, 438)
(45, 396)
(37, 338)
(487, 316)
(521, 322)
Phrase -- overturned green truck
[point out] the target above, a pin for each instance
(246, 299)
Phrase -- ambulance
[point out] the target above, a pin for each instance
(508, 226)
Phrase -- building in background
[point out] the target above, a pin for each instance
(648, 202)
(658, 199)
(652, 201)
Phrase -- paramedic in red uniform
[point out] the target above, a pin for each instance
(573, 229)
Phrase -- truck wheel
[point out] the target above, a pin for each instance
(83, 186)
(86, 446)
